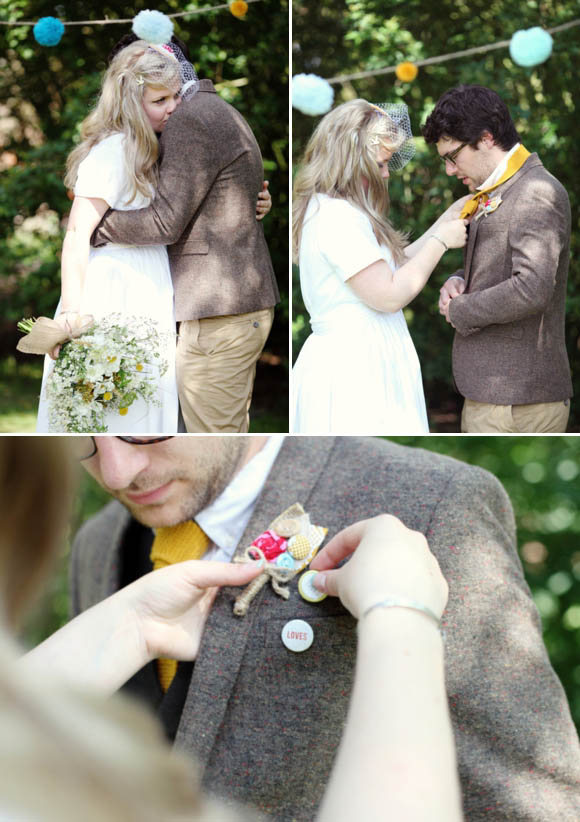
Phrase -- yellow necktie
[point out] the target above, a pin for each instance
(514, 164)
(176, 544)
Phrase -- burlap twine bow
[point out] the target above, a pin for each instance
(293, 522)
(46, 334)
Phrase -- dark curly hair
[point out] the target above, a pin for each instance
(464, 113)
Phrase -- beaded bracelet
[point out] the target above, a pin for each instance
(394, 602)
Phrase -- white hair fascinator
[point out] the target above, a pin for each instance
(394, 129)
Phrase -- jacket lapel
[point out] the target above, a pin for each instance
(532, 162)
(473, 226)
(104, 573)
(293, 477)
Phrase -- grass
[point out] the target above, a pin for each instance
(19, 390)
(20, 387)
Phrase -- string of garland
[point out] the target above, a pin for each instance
(48, 31)
(313, 95)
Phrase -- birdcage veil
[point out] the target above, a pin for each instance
(189, 78)
(394, 129)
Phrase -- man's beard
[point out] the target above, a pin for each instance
(201, 486)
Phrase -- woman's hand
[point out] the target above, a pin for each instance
(171, 605)
(388, 560)
(454, 231)
(160, 614)
(264, 203)
(67, 321)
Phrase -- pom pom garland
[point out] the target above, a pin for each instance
(530, 47)
(406, 72)
(239, 8)
(48, 31)
(311, 94)
(153, 27)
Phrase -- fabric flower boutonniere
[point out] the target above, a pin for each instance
(490, 206)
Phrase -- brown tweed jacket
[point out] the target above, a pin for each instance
(509, 346)
(265, 723)
(205, 212)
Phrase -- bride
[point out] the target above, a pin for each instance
(358, 371)
(115, 166)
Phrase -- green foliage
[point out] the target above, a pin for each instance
(340, 38)
(46, 92)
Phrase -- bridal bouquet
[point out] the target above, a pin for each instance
(104, 369)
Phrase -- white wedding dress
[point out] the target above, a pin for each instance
(358, 372)
(131, 280)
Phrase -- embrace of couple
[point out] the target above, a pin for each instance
(164, 225)
(358, 372)
(383, 717)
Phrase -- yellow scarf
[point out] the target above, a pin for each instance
(514, 164)
(176, 544)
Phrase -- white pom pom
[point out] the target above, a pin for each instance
(311, 94)
(153, 27)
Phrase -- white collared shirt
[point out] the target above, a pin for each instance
(225, 520)
(499, 169)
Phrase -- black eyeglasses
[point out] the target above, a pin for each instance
(86, 447)
(452, 156)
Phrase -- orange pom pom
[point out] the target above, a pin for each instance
(406, 72)
(239, 8)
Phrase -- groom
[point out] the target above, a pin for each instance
(204, 210)
(507, 304)
(263, 722)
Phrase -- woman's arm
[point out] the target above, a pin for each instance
(85, 215)
(397, 756)
(386, 290)
(452, 213)
(162, 614)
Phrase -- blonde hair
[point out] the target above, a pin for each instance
(340, 155)
(120, 109)
(36, 483)
(66, 755)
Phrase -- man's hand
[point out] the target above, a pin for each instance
(453, 287)
(264, 203)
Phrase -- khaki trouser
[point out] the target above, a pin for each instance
(541, 417)
(216, 366)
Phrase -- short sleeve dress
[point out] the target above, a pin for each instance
(130, 280)
(358, 372)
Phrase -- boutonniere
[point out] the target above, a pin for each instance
(490, 206)
(288, 545)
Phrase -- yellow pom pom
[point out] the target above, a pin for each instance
(239, 8)
(107, 396)
(123, 411)
(406, 72)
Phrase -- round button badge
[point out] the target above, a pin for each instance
(307, 590)
(297, 635)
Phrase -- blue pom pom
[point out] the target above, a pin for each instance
(153, 27)
(48, 31)
(530, 47)
(311, 94)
